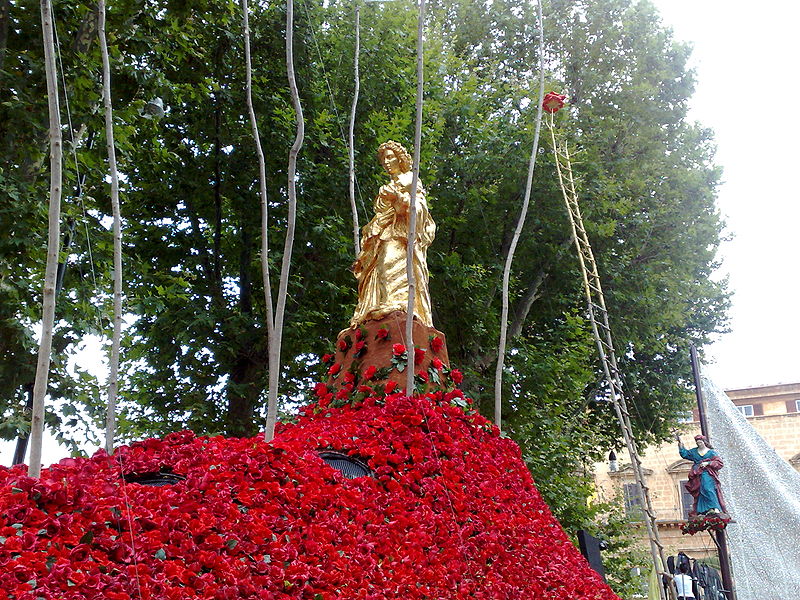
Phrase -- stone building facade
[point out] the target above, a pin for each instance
(774, 411)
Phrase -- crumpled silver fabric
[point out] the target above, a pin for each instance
(762, 492)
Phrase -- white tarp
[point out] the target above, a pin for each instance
(762, 492)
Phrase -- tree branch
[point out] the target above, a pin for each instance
(532, 294)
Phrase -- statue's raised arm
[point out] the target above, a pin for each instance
(381, 266)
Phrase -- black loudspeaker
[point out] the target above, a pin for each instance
(590, 548)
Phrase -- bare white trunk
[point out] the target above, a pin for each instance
(53, 226)
(262, 184)
(113, 374)
(350, 147)
(280, 306)
(412, 216)
(501, 350)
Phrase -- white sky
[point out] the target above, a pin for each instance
(746, 61)
(745, 57)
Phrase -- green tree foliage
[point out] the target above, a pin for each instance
(195, 352)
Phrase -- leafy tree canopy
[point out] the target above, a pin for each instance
(195, 349)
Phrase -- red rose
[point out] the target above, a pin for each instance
(389, 387)
(437, 344)
(382, 334)
(343, 394)
(358, 348)
(342, 344)
(398, 349)
(423, 376)
(320, 390)
(369, 372)
(359, 334)
(326, 358)
(335, 368)
(456, 376)
(365, 389)
(437, 364)
(553, 102)
(349, 378)
(419, 355)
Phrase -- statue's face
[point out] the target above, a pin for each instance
(391, 162)
(701, 444)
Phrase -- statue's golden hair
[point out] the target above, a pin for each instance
(400, 152)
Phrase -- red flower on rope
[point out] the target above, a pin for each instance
(553, 102)
(437, 344)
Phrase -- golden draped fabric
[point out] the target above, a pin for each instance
(381, 266)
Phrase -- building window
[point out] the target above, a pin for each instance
(746, 409)
(797, 405)
(634, 506)
(686, 498)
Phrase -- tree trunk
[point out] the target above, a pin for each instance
(501, 350)
(412, 214)
(243, 392)
(113, 373)
(533, 293)
(51, 268)
(5, 17)
(280, 306)
(350, 147)
(262, 187)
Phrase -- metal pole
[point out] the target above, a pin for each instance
(722, 541)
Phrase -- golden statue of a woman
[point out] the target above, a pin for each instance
(381, 266)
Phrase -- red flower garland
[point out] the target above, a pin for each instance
(450, 512)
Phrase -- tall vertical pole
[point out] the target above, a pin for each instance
(412, 208)
(351, 136)
(721, 536)
(53, 235)
(113, 367)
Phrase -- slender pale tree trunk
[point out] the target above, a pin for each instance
(280, 305)
(113, 373)
(262, 187)
(501, 350)
(350, 148)
(412, 216)
(51, 268)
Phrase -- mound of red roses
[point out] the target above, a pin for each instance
(450, 511)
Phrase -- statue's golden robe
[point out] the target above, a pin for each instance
(381, 266)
